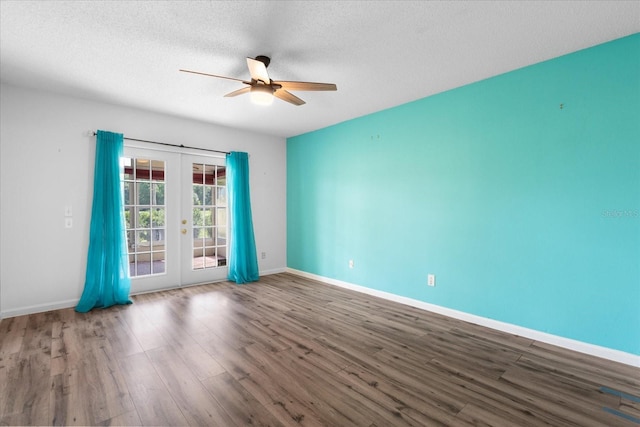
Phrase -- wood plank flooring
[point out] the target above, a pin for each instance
(289, 351)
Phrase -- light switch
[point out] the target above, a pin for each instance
(68, 223)
(68, 211)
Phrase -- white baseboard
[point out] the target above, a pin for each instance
(272, 271)
(41, 308)
(579, 346)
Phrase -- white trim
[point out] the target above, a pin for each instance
(40, 308)
(579, 346)
(272, 271)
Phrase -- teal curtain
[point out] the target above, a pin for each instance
(243, 261)
(107, 279)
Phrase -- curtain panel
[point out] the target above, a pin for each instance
(243, 260)
(107, 278)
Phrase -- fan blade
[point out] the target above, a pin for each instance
(289, 97)
(238, 92)
(258, 71)
(306, 86)
(213, 75)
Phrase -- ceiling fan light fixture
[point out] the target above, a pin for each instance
(262, 95)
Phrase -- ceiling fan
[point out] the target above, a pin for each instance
(263, 89)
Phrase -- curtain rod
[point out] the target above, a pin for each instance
(172, 145)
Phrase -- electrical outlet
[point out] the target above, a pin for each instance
(263, 255)
(431, 279)
(350, 263)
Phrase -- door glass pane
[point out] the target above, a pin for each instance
(222, 255)
(157, 170)
(208, 195)
(221, 216)
(210, 217)
(129, 192)
(157, 218)
(198, 198)
(208, 235)
(221, 196)
(157, 195)
(222, 236)
(144, 193)
(221, 176)
(131, 243)
(142, 240)
(198, 219)
(143, 218)
(198, 259)
(158, 262)
(198, 240)
(210, 174)
(142, 169)
(127, 218)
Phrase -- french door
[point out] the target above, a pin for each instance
(175, 208)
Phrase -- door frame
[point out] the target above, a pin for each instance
(175, 275)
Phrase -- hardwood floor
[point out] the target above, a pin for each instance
(288, 351)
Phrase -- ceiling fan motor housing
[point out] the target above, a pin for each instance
(264, 59)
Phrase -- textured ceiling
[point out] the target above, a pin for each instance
(380, 54)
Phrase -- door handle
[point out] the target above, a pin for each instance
(184, 231)
(184, 221)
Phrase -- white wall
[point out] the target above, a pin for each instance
(46, 163)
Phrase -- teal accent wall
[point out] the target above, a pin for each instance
(526, 212)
